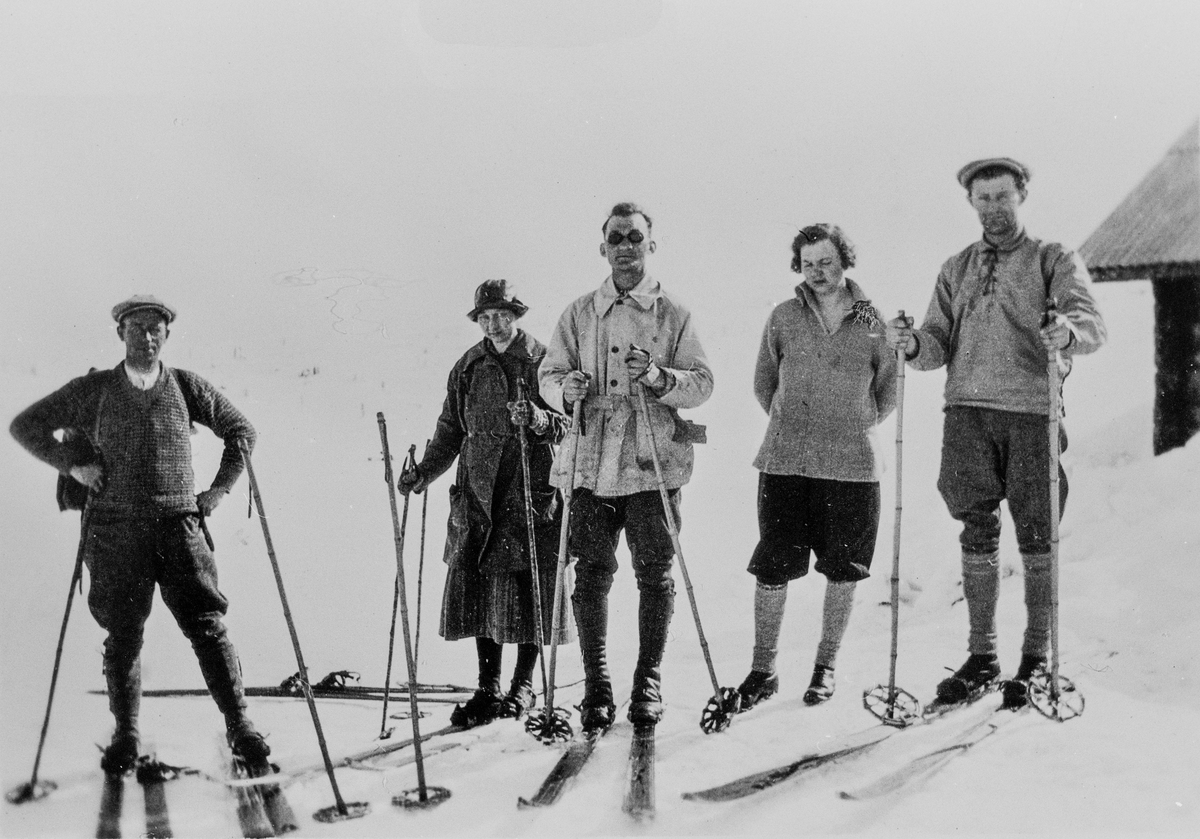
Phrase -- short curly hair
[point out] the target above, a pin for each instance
(624, 210)
(817, 232)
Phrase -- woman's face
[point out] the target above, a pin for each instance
(498, 325)
(821, 265)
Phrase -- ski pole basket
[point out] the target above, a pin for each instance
(421, 799)
(892, 706)
(720, 711)
(1059, 701)
(549, 725)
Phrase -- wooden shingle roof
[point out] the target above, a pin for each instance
(1155, 231)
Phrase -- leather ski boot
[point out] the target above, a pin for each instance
(518, 702)
(654, 618)
(1016, 690)
(758, 687)
(978, 673)
(123, 682)
(820, 688)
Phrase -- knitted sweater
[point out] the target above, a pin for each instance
(142, 437)
(825, 392)
(983, 322)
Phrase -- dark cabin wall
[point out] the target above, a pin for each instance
(1177, 358)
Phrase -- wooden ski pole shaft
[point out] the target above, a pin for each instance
(531, 533)
(32, 791)
(256, 497)
(420, 573)
(387, 679)
(1054, 397)
(669, 516)
(896, 527)
(408, 649)
(556, 620)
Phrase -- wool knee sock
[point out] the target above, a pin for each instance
(1038, 604)
(835, 616)
(981, 588)
(769, 602)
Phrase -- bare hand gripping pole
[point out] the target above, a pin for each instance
(341, 811)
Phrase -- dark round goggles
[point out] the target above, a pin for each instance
(635, 237)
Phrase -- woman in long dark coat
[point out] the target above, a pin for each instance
(489, 585)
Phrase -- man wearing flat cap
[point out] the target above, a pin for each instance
(143, 523)
(991, 322)
(491, 399)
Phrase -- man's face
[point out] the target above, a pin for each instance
(996, 201)
(144, 333)
(498, 325)
(625, 255)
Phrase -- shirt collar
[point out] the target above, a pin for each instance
(1007, 246)
(518, 348)
(644, 294)
(804, 294)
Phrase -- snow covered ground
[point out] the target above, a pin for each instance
(1128, 627)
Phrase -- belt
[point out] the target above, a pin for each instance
(495, 435)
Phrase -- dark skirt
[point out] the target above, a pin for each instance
(500, 605)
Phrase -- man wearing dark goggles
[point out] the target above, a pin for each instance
(614, 346)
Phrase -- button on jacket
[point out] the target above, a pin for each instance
(594, 335)
(824, 392)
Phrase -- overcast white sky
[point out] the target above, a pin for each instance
(198, 150)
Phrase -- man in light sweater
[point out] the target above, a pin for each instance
(625, 335)
(990, 324)
(143, 523)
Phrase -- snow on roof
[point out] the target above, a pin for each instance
(1155, 231)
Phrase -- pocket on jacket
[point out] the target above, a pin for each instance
(457, 525)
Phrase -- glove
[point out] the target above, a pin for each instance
(523, 413)
(208, 500)
(411, 480)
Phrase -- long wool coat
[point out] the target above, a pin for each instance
(489, 591)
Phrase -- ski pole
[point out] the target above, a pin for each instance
(891, 712)
(384, 731)
(556, 621)
(340, 811)
(33, 789)
(1052, 433)
(551, 724)
(1057, 707)
(720, 710)
(421, 571)
(423, 798)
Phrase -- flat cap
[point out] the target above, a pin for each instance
(971, 169)
(139, 302)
